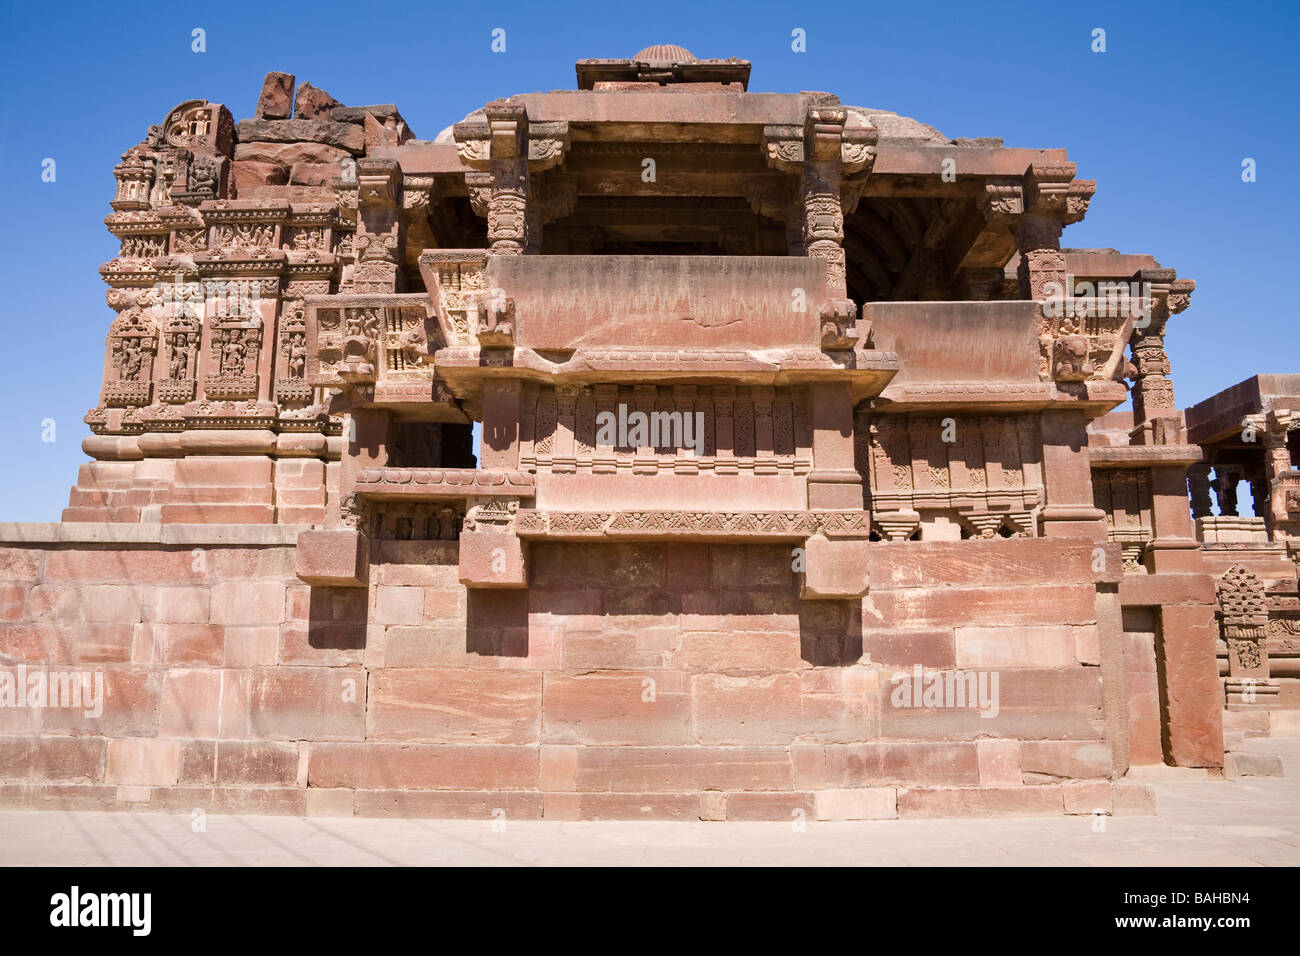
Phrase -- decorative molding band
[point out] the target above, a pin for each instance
(731, 525)
(442, 482)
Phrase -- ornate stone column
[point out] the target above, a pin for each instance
(823, 218)
(1281, 478)
(1243, 611)
(507, 212)
(378, 242)
(1038, 229)
(1225, 489)
(833, 154)
(1155, 412)
(505, 153)
(1198, 488)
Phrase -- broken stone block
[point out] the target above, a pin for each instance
(313, 103)
(276, 101)
(384, 112)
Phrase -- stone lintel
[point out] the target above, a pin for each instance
(1144, 456)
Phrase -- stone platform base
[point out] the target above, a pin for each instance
(628, 681)
(1081, 798)
(1259, 722)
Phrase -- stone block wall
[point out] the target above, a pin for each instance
(230, 489)
(683, 681)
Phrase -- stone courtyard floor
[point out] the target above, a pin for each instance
(1252, 821)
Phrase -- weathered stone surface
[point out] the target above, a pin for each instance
(291, 154)
(276, 101)
(312, 103)
(453, 706)
(250, 175)
(343, 136)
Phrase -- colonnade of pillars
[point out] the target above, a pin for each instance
(1223, 484)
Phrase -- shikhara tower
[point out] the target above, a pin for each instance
(308, 594)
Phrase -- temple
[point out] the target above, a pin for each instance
(656, 448)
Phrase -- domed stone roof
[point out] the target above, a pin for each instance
(665, 53)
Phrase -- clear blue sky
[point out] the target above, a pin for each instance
(1162, 120)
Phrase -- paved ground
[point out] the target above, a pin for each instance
(1201, 822)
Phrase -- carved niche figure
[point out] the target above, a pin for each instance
(204, 175)
(360, 344)
(133, 341)
(291, 384)
(181, 337)
(297, 355)
(235, 346)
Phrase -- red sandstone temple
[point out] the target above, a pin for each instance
(800, 489)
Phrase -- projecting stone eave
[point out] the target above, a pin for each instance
(1094, 399)
(467, 369)
(1220, 416)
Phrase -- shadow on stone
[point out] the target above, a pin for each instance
(336, 618)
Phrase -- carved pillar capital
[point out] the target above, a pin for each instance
(833, 152)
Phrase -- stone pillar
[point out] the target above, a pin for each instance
(724, 397)
(979, 284)
(564, 458)
(507, 207)
(1067, 479)
(1260, 500)
(604, 458)
(1198, 488)
(1192, 688)
(764, 445)
(686, 462)
(834, 481)
(646, 458)
(367, 432)
(832, 155)
(1153, 391)
(1225, 489)
(1038, 229)
(1174, 546)
(823, 223)
(378, 242)
(1277, 465)
(533, 219)
(501, 408)
(491, 554)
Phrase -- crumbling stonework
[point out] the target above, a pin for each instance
(797, 494)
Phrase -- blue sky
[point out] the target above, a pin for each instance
(1162, 119)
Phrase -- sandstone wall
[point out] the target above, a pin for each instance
(230, 489)
(629, 680)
